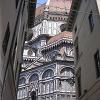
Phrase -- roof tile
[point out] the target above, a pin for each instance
(59, 36)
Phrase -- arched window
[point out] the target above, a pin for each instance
(22, 81)
(67, 83)
(67, 71)
(30, 52)
(54, 54)
(22, 93)
(70, 51)
(34, 77)
(47, 74)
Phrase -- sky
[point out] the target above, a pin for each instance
(41, 2)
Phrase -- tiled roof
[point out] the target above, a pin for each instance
(54, 6)
(60, 5)
(59, 36)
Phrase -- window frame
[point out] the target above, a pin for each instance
(6, 39)
(97, 63)
(91, 21)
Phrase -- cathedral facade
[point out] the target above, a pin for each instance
(51, 16)
(48, 60)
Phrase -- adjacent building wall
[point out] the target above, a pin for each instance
(13, 24)
(86, 35)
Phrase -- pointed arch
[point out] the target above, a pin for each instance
(22, 81)
(48, 73)
(34, 77)
(67, 71)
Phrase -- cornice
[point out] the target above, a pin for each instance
(54, 44)
(73, 14)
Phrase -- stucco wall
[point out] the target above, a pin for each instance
(89, 43)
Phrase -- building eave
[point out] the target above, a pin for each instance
(51, 45)
(73, 14)
(54, 62)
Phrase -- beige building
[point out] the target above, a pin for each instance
(84, 20)
(13, 24)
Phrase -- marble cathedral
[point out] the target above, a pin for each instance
(48, 60)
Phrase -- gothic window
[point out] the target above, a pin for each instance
(67, 79)
(47, 87)
(22, 81)
(47, 74)
(67, 72)
(34, 77)
(97, 63)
